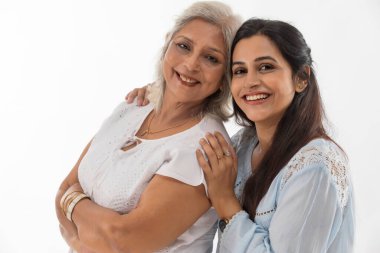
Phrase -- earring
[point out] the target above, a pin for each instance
(302, 85)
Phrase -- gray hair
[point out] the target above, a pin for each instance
(221, 15)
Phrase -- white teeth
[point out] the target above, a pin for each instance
(256, 97)
(187, 79)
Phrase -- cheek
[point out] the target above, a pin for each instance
(235, 89)
(213, 78)
(171, 57)
(286, 88)
(287, 95)
(290, 91)
(212, 73)
(169, 62)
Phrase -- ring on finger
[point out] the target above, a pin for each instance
(227, 153)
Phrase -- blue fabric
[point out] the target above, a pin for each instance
(308, 208)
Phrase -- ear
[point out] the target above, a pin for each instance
(302, 82)
(301, 85)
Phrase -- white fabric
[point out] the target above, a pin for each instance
(115, 179)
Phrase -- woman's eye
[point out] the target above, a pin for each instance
(239, 71)
(265, 67)
(212, 59)
(183, 46)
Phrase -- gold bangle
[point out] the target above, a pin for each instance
(65, 197)
(68, 200)
(73, 203)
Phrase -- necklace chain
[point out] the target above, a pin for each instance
(148, 131)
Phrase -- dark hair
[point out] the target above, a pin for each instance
(302, 120)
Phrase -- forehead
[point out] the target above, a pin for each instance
(203, 33)
(256, 46)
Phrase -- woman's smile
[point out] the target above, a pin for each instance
(186, 80)
(256, 98)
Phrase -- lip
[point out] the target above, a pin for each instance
(256, 102)
(187, 84)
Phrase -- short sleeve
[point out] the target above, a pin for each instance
(182, 165)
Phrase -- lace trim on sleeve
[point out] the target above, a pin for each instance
(331, 157)
(233, 220)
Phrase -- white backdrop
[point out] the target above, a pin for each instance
(64, 65)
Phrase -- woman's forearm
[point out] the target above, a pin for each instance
(95, 226)
(63, 221)
(68, 227)
(154, 224)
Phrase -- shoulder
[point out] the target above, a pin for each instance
(243, 138)
(210, 124)
(123, 109)
(323, 157)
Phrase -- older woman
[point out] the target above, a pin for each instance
(137, 186)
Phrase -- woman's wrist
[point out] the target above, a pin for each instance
(227, 207)
(76, 212)
(70, 199)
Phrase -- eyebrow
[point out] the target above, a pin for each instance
(216, 50)
(262, 58)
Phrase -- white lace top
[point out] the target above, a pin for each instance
(308, 207)
(115, 179)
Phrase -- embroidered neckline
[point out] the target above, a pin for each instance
(330, 155)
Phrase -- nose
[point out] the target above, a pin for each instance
(192, 62)
(252, 80)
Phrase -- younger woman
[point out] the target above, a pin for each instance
(293, 187)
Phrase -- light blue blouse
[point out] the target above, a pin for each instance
(308, 208)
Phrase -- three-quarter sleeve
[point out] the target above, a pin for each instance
(244, 235)
(308, 215)
(309, 212)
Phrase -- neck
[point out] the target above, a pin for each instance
(265, 133)
(172, 112)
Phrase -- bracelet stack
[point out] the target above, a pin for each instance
(69, 201)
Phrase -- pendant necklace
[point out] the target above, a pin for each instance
(148, 131)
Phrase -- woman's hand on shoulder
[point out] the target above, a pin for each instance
(140, 94)
(220, 168)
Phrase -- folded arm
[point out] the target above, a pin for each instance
(167, 208)
(68, 229)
